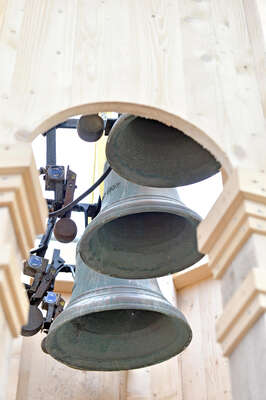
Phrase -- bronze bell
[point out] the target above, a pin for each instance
(150, 153)
(140, 232)
(116, 324)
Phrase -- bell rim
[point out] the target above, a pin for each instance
(122, 208)
(114, 303)
(125, 120)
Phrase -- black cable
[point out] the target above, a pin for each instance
(43, 245)
(69, 207)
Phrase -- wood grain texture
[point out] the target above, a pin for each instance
(193, 65)
(205, 372)
(247, 364)
(13, 368)
(244, 323)
(5, 350)
(254, 283)
(256, 22)
(191, 276)
(243, 184)
(251, 255)
(18, 159)
(13, 303)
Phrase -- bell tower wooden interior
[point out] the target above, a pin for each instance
(197, 65)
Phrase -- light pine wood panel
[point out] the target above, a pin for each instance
(256, 23)
(5, 349)
(205, 372)
(243, 114)
(157, 382)
(186, 60)
(13, 368)
(248, 362)
(11, 293)
(41, 377)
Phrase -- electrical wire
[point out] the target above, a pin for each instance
(71, 205)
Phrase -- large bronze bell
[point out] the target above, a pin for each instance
(140, 232)
(116, 324)
(150, 153)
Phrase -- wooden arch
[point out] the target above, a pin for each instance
(139, 109)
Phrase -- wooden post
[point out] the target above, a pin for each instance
(234, 237)
(22, 216)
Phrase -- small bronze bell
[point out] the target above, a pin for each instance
(150, 153)
(116, 324)
(140, 232)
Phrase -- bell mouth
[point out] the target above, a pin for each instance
(117, 322)
(141, 245)
(150, 153)
(117, 338)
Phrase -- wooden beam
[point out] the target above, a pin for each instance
(191, 276)
(243, 184)
(17, 159)
(239, 212)
(254, 283)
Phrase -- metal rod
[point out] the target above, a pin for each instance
(71, 123)
(51, 147)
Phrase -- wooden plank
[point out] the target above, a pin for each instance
(15, 184)
(138, 384)
(242, 311)
(5, 346)
(251, 255)
(163, 380)
(246, 361)
(194, 385)
(13, 368)
(205, 372)
(246, 320)
(254, 283)
(148, 74)
(11, 17)
(216, 367)
(8, 306)
(242, 108)
(245, 209)
(191, 276)
(243, 184)
(63, 286)
(18, 159)
(9, 265)
(8, 199)
(251, 225)
(202, 95)
(255, 15)
(41, 376)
